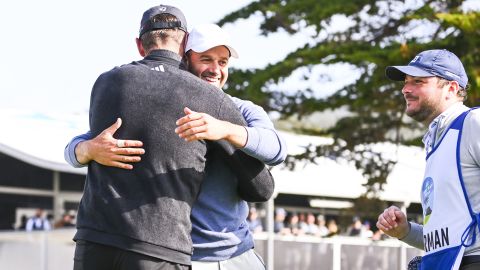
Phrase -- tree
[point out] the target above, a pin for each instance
(382, 34)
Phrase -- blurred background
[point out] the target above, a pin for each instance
(316, 66)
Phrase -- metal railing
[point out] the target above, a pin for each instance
(54, 250)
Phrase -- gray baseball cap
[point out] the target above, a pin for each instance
(441, 63)
(147, 24)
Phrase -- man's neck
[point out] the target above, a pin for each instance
(442, 111)
(175, 49)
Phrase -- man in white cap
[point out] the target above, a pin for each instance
(435, 86)
(220, 233)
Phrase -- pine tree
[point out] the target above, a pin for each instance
(382, 33)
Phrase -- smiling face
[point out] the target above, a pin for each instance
(211, 65)
(425, 97)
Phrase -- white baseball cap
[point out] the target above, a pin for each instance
(206, 36)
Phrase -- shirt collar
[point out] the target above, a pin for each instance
(438, 126)
(446, 117)
(170, 57)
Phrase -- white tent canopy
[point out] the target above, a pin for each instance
(39, 139)
(330, 178)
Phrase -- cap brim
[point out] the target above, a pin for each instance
(203, 48)
(232, 51)
(397, 73)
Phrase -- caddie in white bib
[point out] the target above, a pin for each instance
(449, 222)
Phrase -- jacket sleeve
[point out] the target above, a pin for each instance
(259, 188)
(255, 183)
(69, 152)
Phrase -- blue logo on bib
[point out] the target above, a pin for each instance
(427, 199)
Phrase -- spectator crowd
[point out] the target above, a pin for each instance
(285, 223)
(40, 221)
(297, 224)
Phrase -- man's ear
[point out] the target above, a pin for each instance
(183, 46)
(453, 88)
(140, 48)
(186, 59)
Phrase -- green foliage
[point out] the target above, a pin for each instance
(380, 36)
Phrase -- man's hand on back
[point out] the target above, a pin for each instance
(108, 151)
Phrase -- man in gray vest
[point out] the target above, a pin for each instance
(140, 219)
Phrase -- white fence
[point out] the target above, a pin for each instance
(54, 251)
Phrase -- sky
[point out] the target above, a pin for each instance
(52, 51)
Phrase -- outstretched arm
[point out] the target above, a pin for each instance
(104, 149)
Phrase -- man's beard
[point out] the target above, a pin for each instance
(423, 112)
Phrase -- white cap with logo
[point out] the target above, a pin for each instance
(206, 36)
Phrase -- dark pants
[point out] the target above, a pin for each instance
(92, 256)
(470, 263)
(472, 266)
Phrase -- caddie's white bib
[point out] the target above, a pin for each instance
(448, 217)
